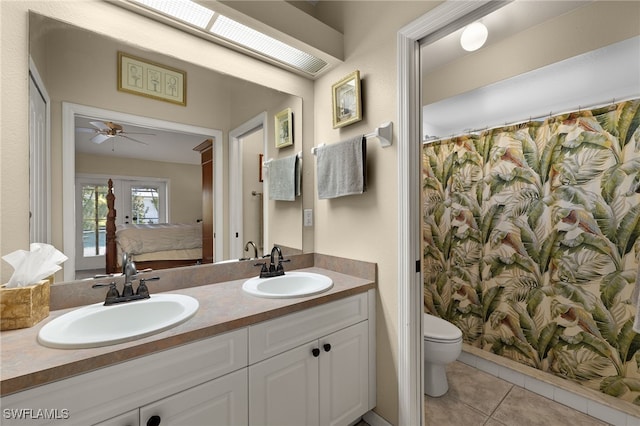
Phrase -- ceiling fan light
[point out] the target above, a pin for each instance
(474, 36)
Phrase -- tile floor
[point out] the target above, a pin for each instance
(477, 398)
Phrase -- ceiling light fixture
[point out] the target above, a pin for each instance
(183, 10)
(262, 43)
(235, 33)
(474, 36)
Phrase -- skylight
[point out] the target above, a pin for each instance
(183, 10)
(234, 32)
(262, 43)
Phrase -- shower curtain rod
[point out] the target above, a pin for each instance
(434, 139)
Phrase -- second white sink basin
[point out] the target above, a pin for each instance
(98, 325)
(292, 284)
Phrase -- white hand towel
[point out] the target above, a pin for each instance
(283, 178)
(342, 168)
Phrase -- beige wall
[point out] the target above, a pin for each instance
(184, 180)
(364, 227)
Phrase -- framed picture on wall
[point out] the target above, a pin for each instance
(284, 128)
(346, 102)
(145, 78)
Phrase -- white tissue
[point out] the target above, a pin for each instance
(32, 266)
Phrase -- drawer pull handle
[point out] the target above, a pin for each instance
(153, 421)
(327, 347)
(315, 352)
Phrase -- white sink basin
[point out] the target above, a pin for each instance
(292, 284)
(98, 325)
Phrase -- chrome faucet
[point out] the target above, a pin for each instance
(130, 273)
(275, 269)
(255, 249)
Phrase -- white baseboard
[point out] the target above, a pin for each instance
(374, 419)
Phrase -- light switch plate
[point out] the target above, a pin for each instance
(308, 217)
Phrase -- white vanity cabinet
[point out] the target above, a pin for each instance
(314, 367)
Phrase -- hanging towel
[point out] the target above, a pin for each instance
(342, 168)
(284, 178)
(634, 299)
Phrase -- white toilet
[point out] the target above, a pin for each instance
(442, 345)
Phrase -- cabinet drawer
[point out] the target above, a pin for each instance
(275, 336)
(122, 387)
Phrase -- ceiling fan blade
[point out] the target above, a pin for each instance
(138, 133)
(100, 125)
(132, 139)
(100, 137)
(86, 130)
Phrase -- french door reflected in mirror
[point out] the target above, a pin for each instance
(140, 201)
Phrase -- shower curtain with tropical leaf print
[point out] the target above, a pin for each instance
(531, 243)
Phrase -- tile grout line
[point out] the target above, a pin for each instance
(501, 401)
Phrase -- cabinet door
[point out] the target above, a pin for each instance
(283, 390)
(344, 375)
(130, 418)
(222, 401)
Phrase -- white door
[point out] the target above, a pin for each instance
(39, 171)
(222, 402)
(91, 221)
(283, 390)
(344, 375)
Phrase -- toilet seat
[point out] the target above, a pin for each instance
(438, 330)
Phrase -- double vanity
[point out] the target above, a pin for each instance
(251, 352)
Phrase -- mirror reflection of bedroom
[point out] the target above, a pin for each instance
(168, 164)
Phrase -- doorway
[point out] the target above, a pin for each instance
(412, 132)
(247, 212)
(70, 112)
(139, 201)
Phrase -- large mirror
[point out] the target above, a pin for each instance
(150, 149)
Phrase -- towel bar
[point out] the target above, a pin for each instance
(384, 133)
(266, 163)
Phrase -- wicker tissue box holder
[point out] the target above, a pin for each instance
(22, 307)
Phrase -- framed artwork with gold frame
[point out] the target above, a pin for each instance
(346, 101)
(284, 128)
(145, 78)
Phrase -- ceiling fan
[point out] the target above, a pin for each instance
(107, 129)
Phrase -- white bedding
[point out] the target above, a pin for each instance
(140, 239)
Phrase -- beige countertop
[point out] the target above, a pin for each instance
(224, 306)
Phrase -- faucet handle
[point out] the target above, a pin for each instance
(143, 290)
(264, 270)
(112, 293)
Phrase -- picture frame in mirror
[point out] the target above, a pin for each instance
(284, 128)
(149, 79)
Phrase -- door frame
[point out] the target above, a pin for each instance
(235, 183)
(37, 191)
(69, 112)
(410, 290)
